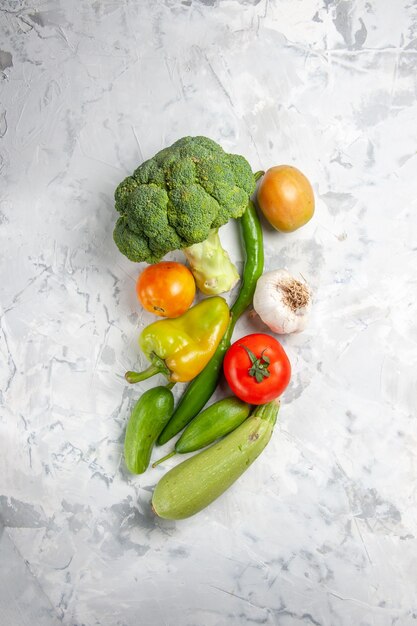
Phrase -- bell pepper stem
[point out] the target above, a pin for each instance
(164, 458)
(258, 175)
(158, 367)
(136, 377)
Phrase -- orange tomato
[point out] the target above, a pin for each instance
(286, 198)
(166, 289)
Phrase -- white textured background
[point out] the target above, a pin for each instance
(322, 529)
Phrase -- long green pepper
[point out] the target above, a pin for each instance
(200, 390)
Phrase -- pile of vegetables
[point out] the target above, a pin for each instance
(178, 200)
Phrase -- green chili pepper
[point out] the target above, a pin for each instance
(200, 390)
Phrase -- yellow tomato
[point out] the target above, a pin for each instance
(286, 198)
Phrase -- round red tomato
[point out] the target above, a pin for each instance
(166, 289)
(257, 368)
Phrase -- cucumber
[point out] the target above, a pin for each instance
(149, 417)
(218, 420)
(195, 483)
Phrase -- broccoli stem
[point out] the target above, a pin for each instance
(211, 266)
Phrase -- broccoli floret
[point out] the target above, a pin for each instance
(123, 192)
(132, 245)
(178, 200)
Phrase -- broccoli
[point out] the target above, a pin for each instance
(178, 200)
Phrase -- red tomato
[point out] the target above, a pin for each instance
(257, 368)
(166, 289)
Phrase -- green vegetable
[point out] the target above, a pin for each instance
(215, 422)
(178, 200)
(149, 416)
(195, 483)
(200, 390)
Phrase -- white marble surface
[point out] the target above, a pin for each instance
(322, 529)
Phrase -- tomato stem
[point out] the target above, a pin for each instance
(259, 368)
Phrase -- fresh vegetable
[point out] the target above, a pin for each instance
(149, 416)
(178, 200)
(215, 422)
(182, 347)
(282, 302)
(257, 368)
(195, 483)
(199, 392)
(286, 198)
(166, 289)
(211, 265)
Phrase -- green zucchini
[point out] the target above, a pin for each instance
(149, 417)
(195, 483)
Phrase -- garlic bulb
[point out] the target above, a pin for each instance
(282, 302)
